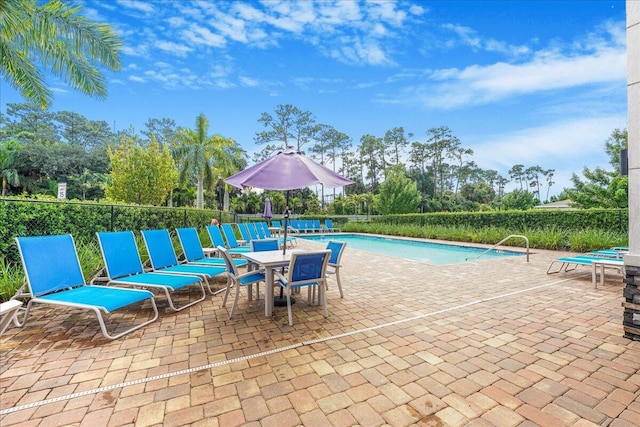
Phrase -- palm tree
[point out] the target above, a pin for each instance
(63, 42)
(234, 161)
(7, 162)
(201, 155)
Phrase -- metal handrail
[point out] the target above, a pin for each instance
(504, 240)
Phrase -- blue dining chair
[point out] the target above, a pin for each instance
(306, 269)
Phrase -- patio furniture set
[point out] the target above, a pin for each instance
(54, 275)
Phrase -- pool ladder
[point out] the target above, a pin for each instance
(502, 241)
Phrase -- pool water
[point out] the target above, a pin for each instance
(432, 253)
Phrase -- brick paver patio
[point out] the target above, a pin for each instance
(484, 343)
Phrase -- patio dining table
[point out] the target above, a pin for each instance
(270, 260)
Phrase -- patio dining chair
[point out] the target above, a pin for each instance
(123, 266)
(306, 269)
(54, 276)
(333, 265)
(237, 280)
(259, 245)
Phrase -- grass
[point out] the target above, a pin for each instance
(552, 238)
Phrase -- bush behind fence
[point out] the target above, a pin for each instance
(575, 220)
(83, 220)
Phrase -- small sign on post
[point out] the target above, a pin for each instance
(62, 190)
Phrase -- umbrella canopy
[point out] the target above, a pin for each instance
(287, 170)
(267, 209)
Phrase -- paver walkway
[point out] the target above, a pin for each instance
(493, 342)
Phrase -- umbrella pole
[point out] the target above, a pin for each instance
(281, 301)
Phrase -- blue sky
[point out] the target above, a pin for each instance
(519, 82)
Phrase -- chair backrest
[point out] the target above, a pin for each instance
(252, 231)
(216, 236)
(120, 253)
(316, 224)
(227, 230)
(190, 242)
(306, 267)
(336, 249)
(260, 245)
(293, 223)
(265, 228)
(244, 231)
(50, 263)
(231, 266)
(160, 248)
(276, 224)
(328, 223)
(259, 230)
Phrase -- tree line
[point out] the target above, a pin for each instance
(169, 165)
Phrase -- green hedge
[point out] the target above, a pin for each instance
(616, 220)
(83, 220)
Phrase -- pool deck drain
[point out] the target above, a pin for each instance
(510, 347)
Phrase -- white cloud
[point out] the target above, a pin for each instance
(173, 48)
(568, 144)
(203, 36)
(249, 82)
(470, 37)
(137, 79)
(140, 6)
(595, 60)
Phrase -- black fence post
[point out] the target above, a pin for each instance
(112, 217)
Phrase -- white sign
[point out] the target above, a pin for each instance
(62, 190)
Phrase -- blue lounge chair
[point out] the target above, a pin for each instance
(234, 279)
(54, 277)
(253, 232)
(573, 262)
(230, 236)
(256, 226)
(244, 232)
(216, 237)
(124, 267)
(316, 226)
(8, 310)
(328, 225)
(306, 269)
(194, 253)
(263, 229)
(290, 240)
(163, 258)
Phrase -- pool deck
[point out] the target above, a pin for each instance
(485, 343)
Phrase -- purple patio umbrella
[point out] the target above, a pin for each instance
(267, 209)
(287, 170)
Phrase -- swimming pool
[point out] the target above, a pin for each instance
(432, 253)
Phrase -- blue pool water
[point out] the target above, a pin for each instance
(432, 253)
